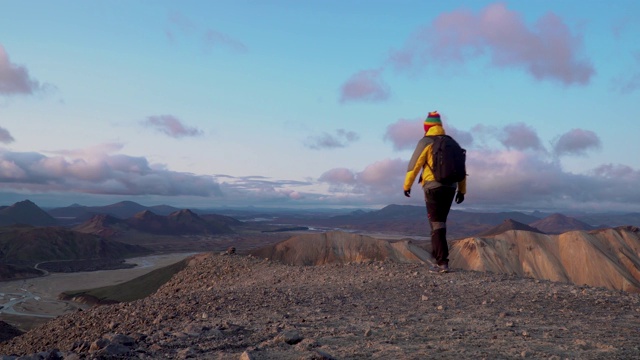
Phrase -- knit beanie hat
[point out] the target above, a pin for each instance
(432, 120)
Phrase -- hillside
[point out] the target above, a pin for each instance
(608, 258)
(30, 245)
(558, 224)
(25, 213)
(340, 247)
(238, 307)
(507, 225)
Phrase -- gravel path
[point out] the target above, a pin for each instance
(237, 307)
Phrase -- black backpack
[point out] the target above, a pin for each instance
(448, 160)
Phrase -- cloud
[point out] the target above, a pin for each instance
(404, 134)
(254, 190)
(338, 176)
(171, 126)
(95, 172)
(15, 79)
(520, 137)
(546, 50)
(365, 85)
(576, 142)
(328, 141)
(5, 136)
(210, 38)
(503, 175)
(375, 182)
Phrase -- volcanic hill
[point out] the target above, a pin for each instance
(558, 224)
(25, 213)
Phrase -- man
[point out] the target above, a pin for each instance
(438, 197)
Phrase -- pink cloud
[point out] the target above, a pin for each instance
(576, 142)
(546, 50)
(5, 136)
(404, 134)
(520, 137)
(338, 176)
(171, 126)
(98, 173)
(380, 178)
(15, 79)
(365, 85)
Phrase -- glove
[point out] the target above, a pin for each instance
(459, 197)
(407, 193)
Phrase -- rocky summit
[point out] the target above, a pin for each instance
(244, 307)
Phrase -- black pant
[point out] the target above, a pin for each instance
(439, 202)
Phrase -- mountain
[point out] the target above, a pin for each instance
(558, 224)
(242, 307)
(409, 220)
(25, 212)
(340, 247)
(610, 219)
(609, 257)
(31, 245)
(181, 222)
(103, 225)
(507, 225)
(121, 210)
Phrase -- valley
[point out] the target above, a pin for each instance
(30, 302)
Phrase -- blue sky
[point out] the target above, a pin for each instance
(317, 103)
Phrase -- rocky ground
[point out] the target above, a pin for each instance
(241, 307)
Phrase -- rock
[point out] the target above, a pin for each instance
(246, 356)
(290, 337)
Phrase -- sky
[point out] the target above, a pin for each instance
(318, 104)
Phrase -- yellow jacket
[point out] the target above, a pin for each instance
(419, 160)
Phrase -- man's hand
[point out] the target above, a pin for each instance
(459, 197)
(407, 193)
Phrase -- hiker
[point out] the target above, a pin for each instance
(438, 196)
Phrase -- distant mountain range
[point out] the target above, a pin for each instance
(412, 220)
(122, 210)
(400, 219)
(181, 222)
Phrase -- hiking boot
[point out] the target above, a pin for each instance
(440, 269)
